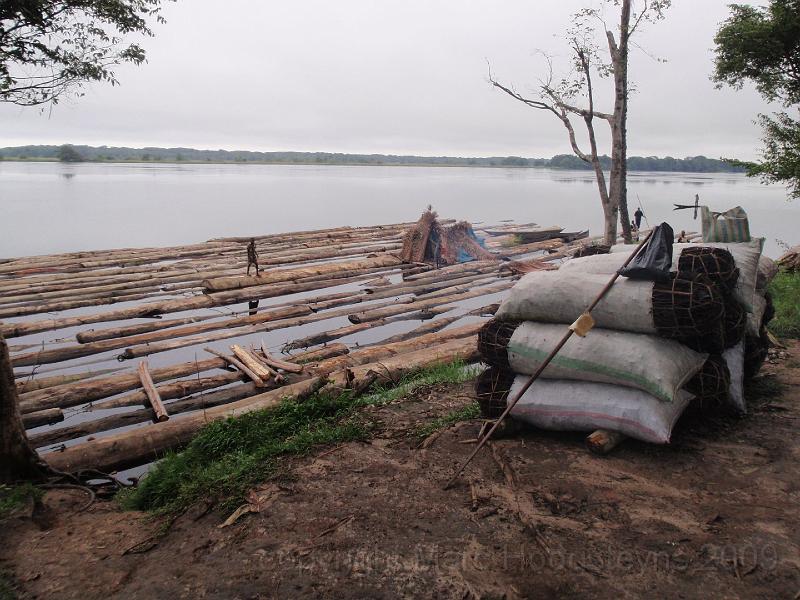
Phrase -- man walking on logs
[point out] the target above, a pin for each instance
(252, 256)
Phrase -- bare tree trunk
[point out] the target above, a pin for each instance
(618, 188)
(18, 461)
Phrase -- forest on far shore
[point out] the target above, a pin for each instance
(76, 153)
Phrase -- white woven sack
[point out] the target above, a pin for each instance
(652, 364)
(582, 406)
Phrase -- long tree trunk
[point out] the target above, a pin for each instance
(18, 461)
(618, 188)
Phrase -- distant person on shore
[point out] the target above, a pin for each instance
(637, 217)
(634, 232)
(682, 237)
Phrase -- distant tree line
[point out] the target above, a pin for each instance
(76, 153)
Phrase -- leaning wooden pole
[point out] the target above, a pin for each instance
(584, 318)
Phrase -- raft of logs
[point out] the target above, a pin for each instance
(192, 338)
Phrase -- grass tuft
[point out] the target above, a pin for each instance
(228, 457)
(14, 497)
(785, 290)
(471, 411)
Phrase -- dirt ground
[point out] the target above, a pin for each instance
(714, 515)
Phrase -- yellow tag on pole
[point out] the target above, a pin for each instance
(583, 324)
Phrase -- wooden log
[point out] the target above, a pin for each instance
(239, 365)
(159, 412)
(428, 327)
(131, 448)
(149, 443)
(382, 351)
(65, 396)
(42, 417)
(156, 347)
(279, 276)
(391, 369)
(314, 356)
(372, 314)
(263, 371)
(277, 363)
(324, 337)
(56, 380)
(604, 441)
(170, 391)
(42, 357)
(97, 335)
(143, 311)
(115, 421)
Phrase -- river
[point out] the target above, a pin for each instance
(54, 207)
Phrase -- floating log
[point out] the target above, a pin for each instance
(97, 335)
(42, 417)
(159, 412)
(428, 327)
(379, 313)
(171, 390)
(277, 363)
(56, 380)
(222, 284)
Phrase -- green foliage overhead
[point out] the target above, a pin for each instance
(50, 48)
(762, 45)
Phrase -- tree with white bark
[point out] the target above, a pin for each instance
(563, 98)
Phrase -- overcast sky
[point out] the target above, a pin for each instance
(389, 76)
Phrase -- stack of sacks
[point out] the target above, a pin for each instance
(745, 293)
(655, 346)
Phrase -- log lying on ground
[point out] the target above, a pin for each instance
(604, 441)
(149, 443)
(390, 370)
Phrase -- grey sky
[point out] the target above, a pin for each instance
(390, 77)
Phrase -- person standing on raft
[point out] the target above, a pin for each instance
(252, 256)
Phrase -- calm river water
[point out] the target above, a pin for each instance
(52, 207)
